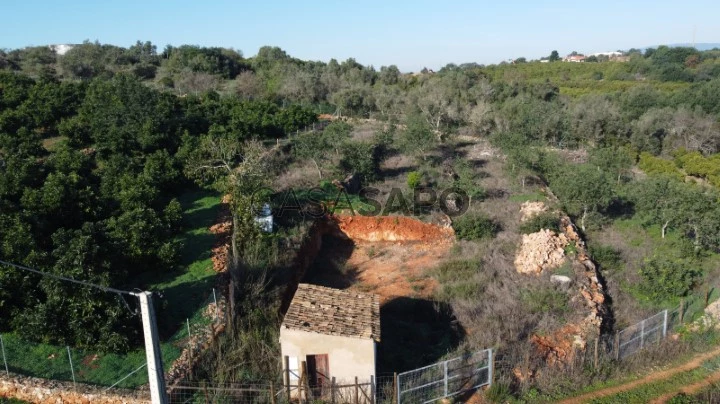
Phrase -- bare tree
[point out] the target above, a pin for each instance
(248, 85)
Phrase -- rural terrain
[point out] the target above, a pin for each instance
(564, 215)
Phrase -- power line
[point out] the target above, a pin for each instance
(66, 279)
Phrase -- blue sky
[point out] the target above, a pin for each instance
(409, 34)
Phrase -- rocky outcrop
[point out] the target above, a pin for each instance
(544, 251)
(43, 391)
(560, 347)
(541, 251)
(529, 210)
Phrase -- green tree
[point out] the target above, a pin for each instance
(666, 280)
(554, 56)
(314, 147)
(582, 189)
(336, 134)
(656, 200)
(417, 138)
(612, 160)
(359, 158)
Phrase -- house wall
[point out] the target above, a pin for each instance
(347, 357)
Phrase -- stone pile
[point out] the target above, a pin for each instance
(541, 251)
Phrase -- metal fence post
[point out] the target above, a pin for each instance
(595, 356)
(665, 315)
(642, 334)
(396, 383)
(2, 345)
(72, 371)
(491, 366)
(445, 379)
(217, 310)
(617, 345)
(190, 347)
(373, 390)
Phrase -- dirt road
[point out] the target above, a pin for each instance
(696, 362)
(694, 388)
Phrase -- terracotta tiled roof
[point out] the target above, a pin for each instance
(334, 312)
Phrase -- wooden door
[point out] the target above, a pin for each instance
(318, 373)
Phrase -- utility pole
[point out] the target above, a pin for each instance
(156, 375)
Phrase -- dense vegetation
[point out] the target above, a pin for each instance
(96, 145)
(90, 175)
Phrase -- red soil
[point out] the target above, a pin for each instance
(392, 254)
(392, 228)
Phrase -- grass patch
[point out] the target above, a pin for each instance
(545, 300)
(646, 392)
(475, 227)
(186, 288)
(458, 280)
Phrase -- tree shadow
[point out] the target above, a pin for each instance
(496, 193)
(478, 163)
(415, 333)
(329, 267)
(395, 172)
(621, 208)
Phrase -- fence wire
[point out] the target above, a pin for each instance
(106, 370)
(638, 336)
(446, 378)
(360, 393)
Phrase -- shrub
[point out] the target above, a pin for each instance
(458, 280)
(658, 166)
(498, 393)
(167, 82)
(475, 227)
(545, 300)
(547, 220)
(608, 258)
(459, 270)
(413, 179)
(665, 280)
(359, 158)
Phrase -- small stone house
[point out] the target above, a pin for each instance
(334, 332)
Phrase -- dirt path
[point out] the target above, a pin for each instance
(696, 362)
(691, 389)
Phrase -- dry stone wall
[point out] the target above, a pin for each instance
(43, 391)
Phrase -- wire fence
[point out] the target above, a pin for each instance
(637, 336)
(431, 383)
(445, 379)
(109, 370)
(341, 393)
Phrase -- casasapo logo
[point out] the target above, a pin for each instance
(318, 202)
